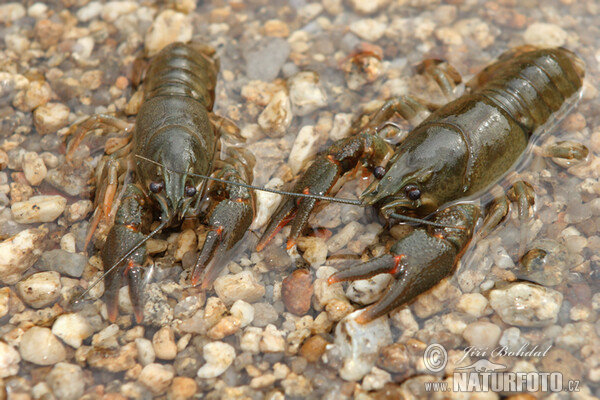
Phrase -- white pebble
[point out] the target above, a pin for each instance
(67, 243)
(266, 204)
(114, 9)
(273, 340)
(19, 253)
(250, 340)
(50, 117)
(545, 35)
(72, 329)
(306, 93)
(242, 286)
(341, 239)
(243, 311)
(482, 334)
(156, 377)
(11, 12)
(277, 116)
(359, 344)
(38, 209)
(305, 147)
(40, 289)
(39, 346)
(9, 360)
(37, 10)
(89, 11)
(368, 29)
(169, 27)
(34, 168)
(367, 291)
(341, 126)
(218, 356)
(526, 304)
(473, 304)
(164, 344)
(145, 350)
(67, 381)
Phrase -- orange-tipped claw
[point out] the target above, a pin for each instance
(229, 221)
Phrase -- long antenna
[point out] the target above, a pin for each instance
(248, 186)
(303, 195)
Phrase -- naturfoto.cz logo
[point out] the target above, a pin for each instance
(485, 376)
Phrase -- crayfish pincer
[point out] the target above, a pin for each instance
(449, 160)
(175, 139)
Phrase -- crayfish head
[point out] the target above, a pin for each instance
(171, 187)
(426, 172)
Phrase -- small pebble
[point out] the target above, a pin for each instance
(545, 35)
(19, 253)
(272, 340)
(305, 147)
(306, 93)
(50, 117)
(243, 311)
(169, 27)
(526, 304)
(482, 334)
(359, 344)
(145, 350)
(39, 209)
(242, 286)
(277, 116)
(39, 346)
(164, 344)
(67, 381)
(265, 62)
(9, 360)
(11, 12)
(72, 329)
(473, 304)
(218, 356)
(296, 292)
(313, 348)
(314, 250)
(182, 388)
(40, 289)
(156, 377)
(368, 29)
(70, 264)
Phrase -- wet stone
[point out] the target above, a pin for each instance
(296, 291)
(38, 209)
(19, 253)
(526, 304)
(164, 343)
(265, 62)
(70, 264)
(72, 329)
(40, 289)
(277, 116)
(545, 35)
(167, 28)
(66, 381)
(359, 344)
(482, 334)
(9, 360)
(39, 346)
(219, 356)
(156, 377)
(264, 314)
(242, 286)
(50, 117)
(306, 93)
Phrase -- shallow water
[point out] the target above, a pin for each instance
(83, 55)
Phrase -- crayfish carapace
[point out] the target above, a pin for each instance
(456, 154)
(175, 138)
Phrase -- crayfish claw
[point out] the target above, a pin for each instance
(133, 273)
(384, 264)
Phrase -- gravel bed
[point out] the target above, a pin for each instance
(294, 76)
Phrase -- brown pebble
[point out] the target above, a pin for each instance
(276, 28)
(182, 388)
(521, 396)
(122, 83)
(394, 358)
(296, 291)
(313, 348)
(3, 159)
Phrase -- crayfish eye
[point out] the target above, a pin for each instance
(190, 191)
(413, 192)
(156, 187)
(379, 172)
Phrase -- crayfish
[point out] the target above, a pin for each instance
(446, 162)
